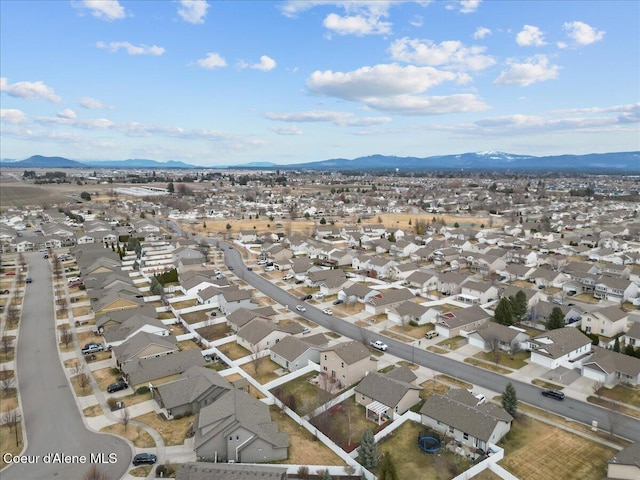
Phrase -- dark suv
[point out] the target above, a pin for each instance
(144, 459)
(555, 394)
(116, 387)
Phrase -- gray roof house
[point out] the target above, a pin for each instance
(293, 353)
(451, 324)
(197, 387)
(493, 335)
(229, 471)
(233, 298)
(457, 415)
(160, 369)
(410, 311)
(144, 345)
(131, 326)
(560, 347)
(383, 394)
(238, 427)
(386, 299)
(347, 362)
(240, 317)
(260, 334)
(611, 367)
(625, 464)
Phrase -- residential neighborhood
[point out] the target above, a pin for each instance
(222, 349)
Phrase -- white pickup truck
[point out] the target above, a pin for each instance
(379, 345)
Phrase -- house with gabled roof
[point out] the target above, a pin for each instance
(356, 292)
(457, 415)
(229, 471)
(605, 321)
(347, 362)
(116, 318)
(460, 322)
(615, 289)
(383, 394)
(132, 325)
(144, 345)
(563, 347)
(611, 367)
(386, 299)
(157, 370)
(450, 283)
(233, 298)
(293, 353)
(492, 335)
(240, 317)
(196, 387)
(475, 292)
(625, 464)
(260, 334)
(632, 336)
(115, 299)
(424, 281)
(237, 427)
(410, 311)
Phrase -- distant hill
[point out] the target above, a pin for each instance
(257, 165)
(618, 161)
(39, 161)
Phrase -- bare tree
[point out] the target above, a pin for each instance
(256, 357)
(10, 418)
(597, 388)
(83, 381)
(7, 379)
(94, 473)
(13, 314)
(66, 337)
(125, 418)
(7, 343)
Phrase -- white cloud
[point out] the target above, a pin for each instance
(211, 61)
(29, 90)
(344, 119)
(132, 49)
(562, 45)
(530, 36)
(92, 103)
(266, 64)
(582, 34)
(103, 9)
(536, 69)
(416, 21)
(286, 130)
(450, 54)
(67, 113)
(356, 25)
(481, 32)
(469, 6)
(193, 11)
(12, 115)
(428, 105)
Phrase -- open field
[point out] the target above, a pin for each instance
(535, 450)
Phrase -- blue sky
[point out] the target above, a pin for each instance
(230, 82)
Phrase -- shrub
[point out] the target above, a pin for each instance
(160, 471)
(115, 370)
(142, 390)
(111, 401)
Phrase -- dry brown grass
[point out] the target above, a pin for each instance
(431, 387)
(141, 471)
(215, 332)
(133, 433)
(188, 345)
(453, 381)
(535, 450)
(80, 311)
(173, 432)
(8, 441)
(233, 350)
(104, 377)
(92, 411)
(88, 336)
(304, 449)
(80, 390)
(265, 371)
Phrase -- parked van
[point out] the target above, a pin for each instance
(431, 334)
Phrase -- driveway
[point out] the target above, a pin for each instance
(52, 420)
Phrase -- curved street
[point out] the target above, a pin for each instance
(624, 426)
(51, 418)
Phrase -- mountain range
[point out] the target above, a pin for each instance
(618, 162)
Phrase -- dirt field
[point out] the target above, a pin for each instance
(535, 450)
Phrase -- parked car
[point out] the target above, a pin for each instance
(326, 311)
(338, 302)
(269, 269)
(300, 308)
(289, 276)
(555, 394)
(250, 269)
(304, 298)
(305, 330)
(92, 348)
(75, 284)
(298, 282)
(29, 280)
(144, 459)
(431, 334)
(230, 268)
(116, 387)
(379, 345)
(11, 272)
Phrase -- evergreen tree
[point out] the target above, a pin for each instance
(616, 345)
(368, 450)
(323, 221)
(556, 319)
(510, 400)
(629, 350)
(519, 305)
(504, 313)
(170, 187)
(326, 475)
(387, 470)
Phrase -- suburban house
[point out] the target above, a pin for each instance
(560, 348)
(383, 394)
(131, 326)
(260, 334)
(477, 292)
(197, 387)
(157, 370)
(410, 311)
(457, 415)
(492, 336)
(459, 322)
(240, 317)
(611, 367)
(229, 471)
(116, 318)
(607, 321)
(231, 299)
(386, 299)
(347, 362)
(237, 427)
(632, 337)
(615, 289)
(293, 353)
(423, 281)
(450, 283)
(625, 464)
(356, 292)
(115, 299)
(144, 345)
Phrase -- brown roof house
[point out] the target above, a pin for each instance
(383, 394)
(457, 415)
(561, 347)
(347, 362)
(237, 427)
(197, 387)
(611, 367)
(452, 324)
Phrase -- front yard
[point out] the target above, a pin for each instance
(535, 450)
(513, 361)
(137, 435)
(622, 393)
(173, 432)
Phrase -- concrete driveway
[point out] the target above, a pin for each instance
(52, 420)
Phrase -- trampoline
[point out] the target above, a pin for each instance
(429, 444)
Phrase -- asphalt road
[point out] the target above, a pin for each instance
(624, 426)
(51, 417)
